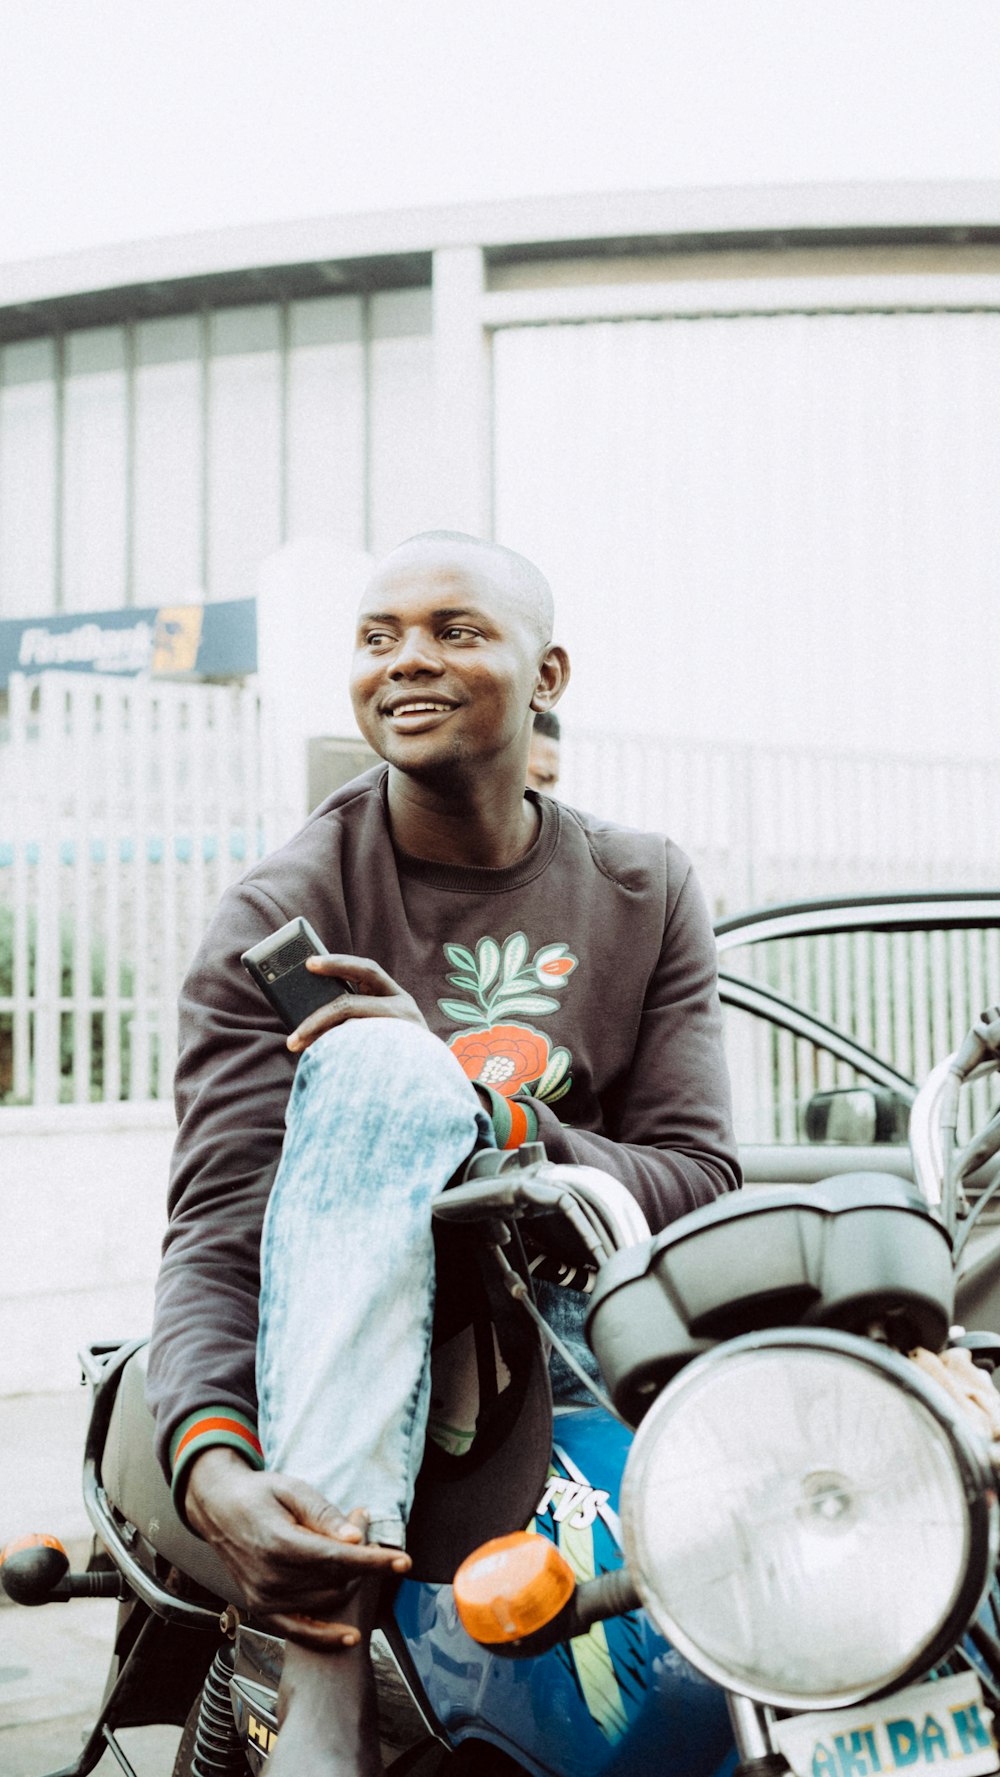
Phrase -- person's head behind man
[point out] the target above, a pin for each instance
(543, 754)
(454, 659)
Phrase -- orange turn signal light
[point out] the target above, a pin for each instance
(34, 1541)
(31, 1566)
(511, 1587)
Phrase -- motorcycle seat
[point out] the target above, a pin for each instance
(138, 1492)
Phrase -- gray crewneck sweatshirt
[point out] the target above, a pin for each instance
(578, 983)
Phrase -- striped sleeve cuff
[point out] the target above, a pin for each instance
(202, 1431)
(514, 1121)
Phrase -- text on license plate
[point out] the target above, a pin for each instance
(943, 1726)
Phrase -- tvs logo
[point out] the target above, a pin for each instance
(571, 1502)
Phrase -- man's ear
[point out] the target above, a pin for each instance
(553, 678)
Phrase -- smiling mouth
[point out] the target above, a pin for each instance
(419, 707)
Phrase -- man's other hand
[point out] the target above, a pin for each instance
(298, 1559)
(377, 996)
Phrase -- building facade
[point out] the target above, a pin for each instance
(753, 437)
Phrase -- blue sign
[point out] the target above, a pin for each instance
(188, 641)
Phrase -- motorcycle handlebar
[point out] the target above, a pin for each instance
(934, 1116)
(594, 1212)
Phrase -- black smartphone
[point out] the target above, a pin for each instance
(278, 965)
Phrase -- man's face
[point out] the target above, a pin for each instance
(543, 763)
(445, 666)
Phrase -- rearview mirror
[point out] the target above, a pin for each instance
(857, 1116)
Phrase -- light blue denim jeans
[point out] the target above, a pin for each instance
(380, 1118)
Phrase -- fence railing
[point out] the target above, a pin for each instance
(766, 824)
(908, 997)
(126, 808)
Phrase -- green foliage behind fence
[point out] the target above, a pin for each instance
(70, 991)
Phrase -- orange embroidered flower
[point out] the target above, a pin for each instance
(506, 1057)
(559, 965)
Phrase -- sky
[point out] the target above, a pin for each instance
(122, 120)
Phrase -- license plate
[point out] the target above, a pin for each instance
(942, 1726)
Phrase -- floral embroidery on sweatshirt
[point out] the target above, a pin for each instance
(502, 986)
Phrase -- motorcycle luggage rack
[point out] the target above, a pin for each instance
(103, 1364)
(107, 1363)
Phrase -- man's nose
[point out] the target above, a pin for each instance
(417, 653)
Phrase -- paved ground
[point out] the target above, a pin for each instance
(41, 1453)
(53, 1661)
(53, 1664)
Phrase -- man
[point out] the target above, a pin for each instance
(522, 973)
(543, 754)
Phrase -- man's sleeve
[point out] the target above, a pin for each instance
(669, 1120)
(233, 1079)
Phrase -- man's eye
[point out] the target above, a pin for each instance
(456, 632)
(377, 638)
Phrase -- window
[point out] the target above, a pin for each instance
(27, 478)
(169, 468)
(95, 483)
(402, 417)
(326, 419)
(244, 452)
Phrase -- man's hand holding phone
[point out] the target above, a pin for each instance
(374, 994)
(313, 991)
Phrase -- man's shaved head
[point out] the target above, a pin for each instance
(523, 583)
(453, 657)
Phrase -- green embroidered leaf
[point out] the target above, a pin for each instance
(514, 952)
(459, 957)
(506, 1003)
(488, 954)
(468, 981)
(554, 1097)
(460, 1013)
(524, 984)
(558, 1066)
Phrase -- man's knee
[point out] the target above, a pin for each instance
(366, 1053)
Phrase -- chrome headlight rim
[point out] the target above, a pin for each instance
(976, 1476)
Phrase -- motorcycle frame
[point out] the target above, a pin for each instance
(164, 1643)
(182, 1634)
(162, 1650)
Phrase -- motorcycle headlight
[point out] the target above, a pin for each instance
(806, 1519)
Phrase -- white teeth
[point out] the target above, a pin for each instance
(417, 709)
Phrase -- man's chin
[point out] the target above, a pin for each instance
(428, 763)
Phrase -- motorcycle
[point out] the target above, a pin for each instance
(770, 1545)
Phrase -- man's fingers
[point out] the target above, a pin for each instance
(354, 1005)
(311, 1508)
(378, 996)
(313, 1631)
(371, 975)
(320, 1551)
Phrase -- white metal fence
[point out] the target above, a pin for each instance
(126, 807)
(909, 997)
(769, 824)
(766, 824)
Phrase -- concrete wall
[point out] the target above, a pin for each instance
(82, 1213)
